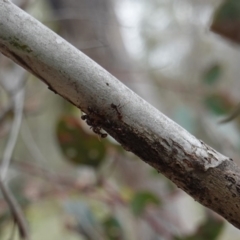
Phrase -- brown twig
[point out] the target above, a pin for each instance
(16, 211)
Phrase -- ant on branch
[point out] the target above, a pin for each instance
(93, 123)
(116, 108)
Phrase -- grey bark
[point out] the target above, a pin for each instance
(93, 28)
(209, 177)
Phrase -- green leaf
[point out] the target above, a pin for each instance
(113, 229)
(226, 21)
(78, 146)
(218, 104)
(212, 74)
(210, 229)
(228, 10)
(141, 200)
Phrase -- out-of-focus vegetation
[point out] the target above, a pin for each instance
(70, 183)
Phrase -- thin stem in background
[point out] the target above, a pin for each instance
(15, 209)
(18, 113)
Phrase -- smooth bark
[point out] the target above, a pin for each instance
(209, 177)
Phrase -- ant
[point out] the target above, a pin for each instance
(116, 108)
(94, 124)
(97, 130)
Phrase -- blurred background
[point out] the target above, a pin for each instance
(72, 185)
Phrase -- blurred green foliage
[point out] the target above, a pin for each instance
(112, 228)
(141, 200)
(77, 145)
(218, 103)
(212, 74)
(209, 229)
(226, 21)
(228, 10)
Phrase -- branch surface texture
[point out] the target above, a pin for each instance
(209, 177)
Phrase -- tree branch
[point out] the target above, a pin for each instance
(209, 177)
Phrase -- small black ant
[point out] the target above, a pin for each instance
(116, 108)
(84, 117)
(94, 124)
(97, 130)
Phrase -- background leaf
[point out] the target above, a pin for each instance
(78, 146)
(212, 74)
(218, 103)
(113, 229)
(226, 21)
(141, 200)
(210, 229)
